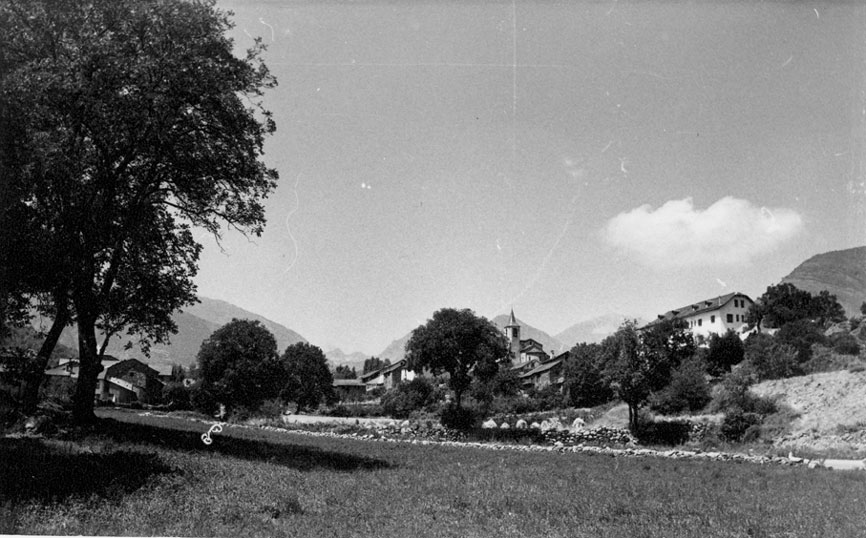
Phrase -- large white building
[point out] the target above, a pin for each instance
(716, 315)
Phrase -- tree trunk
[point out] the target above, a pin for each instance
(89, 367)
(33, 378)
(632, 418)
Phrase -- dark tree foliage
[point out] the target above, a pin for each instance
(373, 364)
(238, 365)
(785, 303)
(771, 359)
(308, 380)
(132, 122)
(344, 372)
(585, 385)
(724, 352)
(863, 308)
(405, 398)
(800, 335)
(667, 344)
(460, 343)
(688, 390)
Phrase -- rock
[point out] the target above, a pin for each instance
(551, 424)
(488, 424)
(535, 425)
(577, 425)
(521, 424)
(405, 424)
(504, 426)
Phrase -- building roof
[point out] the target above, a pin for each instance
(348, 383)
(396, 366)
(699, 307)
(512, 321)
(529, 343)
(541, 368)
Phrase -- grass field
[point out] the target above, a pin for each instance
(139, 475)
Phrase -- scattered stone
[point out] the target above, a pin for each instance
(488, 424)
(504, 426)
(521, 424)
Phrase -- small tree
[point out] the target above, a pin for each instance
(584, 384)
(460, 343)
(724, 351)
(628, 369)
(687, 391)
(308, 380)
(238, 364)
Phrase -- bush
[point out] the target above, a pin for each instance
(674, 432)
(460, 418)
(801, 335)
(202, 400)
(738, 423)
(734, 394)
(176, 396)
(724, 352)
(845, 343)
(687, 391)
(771, 358)
(405, 398)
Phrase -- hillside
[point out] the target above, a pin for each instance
(396, 350)
(841, 272)
(830, 405)
(592, 331)
(195, 324)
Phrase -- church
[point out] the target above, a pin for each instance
(535, 368)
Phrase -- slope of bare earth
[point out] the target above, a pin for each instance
(832, 409)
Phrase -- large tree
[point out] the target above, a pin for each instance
(134, 122)
(785, 303)
(308, 381)
(460, 343)
(238, 365)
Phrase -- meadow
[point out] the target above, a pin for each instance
(150, 475)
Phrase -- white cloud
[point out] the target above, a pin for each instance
(731, 231)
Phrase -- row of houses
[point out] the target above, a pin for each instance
(120, 381)
(537, 369)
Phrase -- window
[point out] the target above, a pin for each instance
(700, 322)
(712, 319)
(738, 317)
(731, 318)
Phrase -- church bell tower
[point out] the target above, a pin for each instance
(512, 332)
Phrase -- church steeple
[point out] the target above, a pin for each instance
(512, 332)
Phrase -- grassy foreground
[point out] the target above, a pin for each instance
(153, 476)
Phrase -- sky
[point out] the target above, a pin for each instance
(564, 159)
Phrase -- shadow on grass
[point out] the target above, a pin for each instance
(32, 469)
(237, 443)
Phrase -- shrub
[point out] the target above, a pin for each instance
(724, 352)
(459, 418)
(734, 394)
(202, 400)
(801, 335)
(673, 432)
(400, 401)
(738, 423)
(845, 343)
(687, 391)
(176, 396)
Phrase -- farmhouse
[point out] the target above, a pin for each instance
(349, 390)
(716, 315)
(123, 381)
(388, 377)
